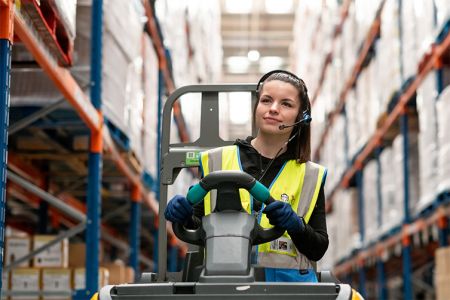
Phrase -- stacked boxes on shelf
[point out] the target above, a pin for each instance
(26, 280)
(17, 247)
(388, 52)
(443, 110)
(67, 10)
(413, 172)
(417, 26)
(343, 232)
(369, 101)
(150, 109)
(206, 41)
(54, 272)
(364, 15)
(49, 271)
(336, 158)
(54, 21)
(77, 263)
(428, 142)
(196, 57)
(313, 22)
(350, 47)
(55, 256)
(122, 70)
(354, 130)
(390, 199)
(58, 281)
(79, 278)
(406, 34)
(196, 50)
(372, 215)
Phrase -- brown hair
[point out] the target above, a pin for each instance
(302, 142)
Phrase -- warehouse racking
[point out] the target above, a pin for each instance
(26, 182)
(408, 248)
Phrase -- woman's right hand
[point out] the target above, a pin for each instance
(178, 210)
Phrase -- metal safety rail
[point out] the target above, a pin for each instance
(176, 156)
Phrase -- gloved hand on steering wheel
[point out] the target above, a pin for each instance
(178, 210)
(281, 214)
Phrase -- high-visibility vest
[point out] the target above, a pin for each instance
(296, 183)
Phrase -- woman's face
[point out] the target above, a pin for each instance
(278, 104)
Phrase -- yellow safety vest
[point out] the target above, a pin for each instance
(302, 196)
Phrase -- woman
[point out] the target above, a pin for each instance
(279, 157)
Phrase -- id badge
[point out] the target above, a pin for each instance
(283, 244)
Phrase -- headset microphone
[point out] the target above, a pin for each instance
(304, 121)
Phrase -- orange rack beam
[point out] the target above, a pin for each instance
(404, 236)
(170, 86)
(374, 141)
(59, 75)
(81, 103)
(371, 36)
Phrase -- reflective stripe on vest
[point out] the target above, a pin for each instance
(302, 197)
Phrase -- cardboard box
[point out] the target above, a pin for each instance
(58, 281)
(79, 278)
(26, 280)
(442, 270)
(129, 274)
(117, 273)
(442, 287)
(16, 248)
(56, 256)
(442, 257)
(77, 255)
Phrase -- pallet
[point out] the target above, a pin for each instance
(50, 28)
(442, 199)
(390, 232)
(133, 161)
(148, 181)
(118, 136)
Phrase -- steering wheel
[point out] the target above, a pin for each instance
(227, 184)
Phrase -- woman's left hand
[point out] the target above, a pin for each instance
(281, 214)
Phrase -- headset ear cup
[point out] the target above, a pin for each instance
(307, 118)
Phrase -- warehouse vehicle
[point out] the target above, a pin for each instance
(221, 266)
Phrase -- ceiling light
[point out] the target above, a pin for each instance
(279, 6)
(253, 55)
(269, 63)
(238, 6)
(237, 64)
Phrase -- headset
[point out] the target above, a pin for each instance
(306, 114)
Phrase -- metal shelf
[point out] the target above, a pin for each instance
(363, 263)
(59, 75)
(439, 219)
(90, 114)
(429, 62)
(371, 36)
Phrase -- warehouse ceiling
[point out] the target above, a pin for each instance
(256, 37)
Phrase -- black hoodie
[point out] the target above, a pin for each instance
(311, 242)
